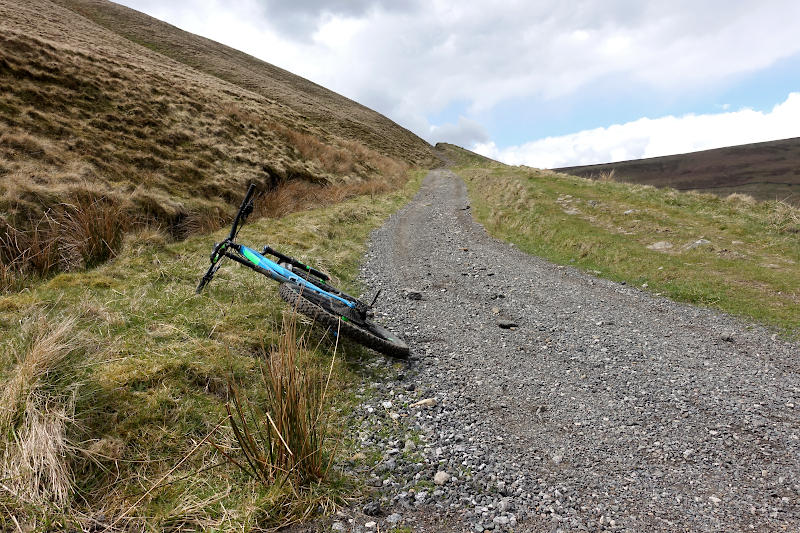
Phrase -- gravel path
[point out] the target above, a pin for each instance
(604, 407)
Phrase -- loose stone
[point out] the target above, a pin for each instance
(441, 478)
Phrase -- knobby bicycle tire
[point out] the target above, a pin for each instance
(371, 335)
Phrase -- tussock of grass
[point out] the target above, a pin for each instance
(740, 198)
(605, 176)
(82, 233)
(784, 217)
(282, 437)
(37, 409)
(36, 466)
(91, 231)
(751, 266)
(37, 360)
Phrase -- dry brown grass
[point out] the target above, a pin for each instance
(35, 464)
(45, 348)
(299, 195)
(91, 231)
(31, 250)
(784, 216)
(286, 98)
(82, 233)
(740, 198)
(25, 251)
(331, 159)
(21, 145)
(9, 276)
(343, 159)
(606, 175)
(203, 221)
(36, 410)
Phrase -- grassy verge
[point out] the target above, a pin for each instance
(124, 373)
(734, 254)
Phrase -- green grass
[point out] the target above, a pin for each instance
(152, 379)
(750, 269)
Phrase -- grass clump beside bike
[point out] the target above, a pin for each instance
(282, 438)
(732, 254)
(126, 373)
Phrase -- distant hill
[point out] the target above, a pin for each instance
(766, 171)
(107, 112)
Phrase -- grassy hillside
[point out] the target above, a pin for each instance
(116, 382)
(733, 254)
(113, 124)
(765, 171)
(333, 114)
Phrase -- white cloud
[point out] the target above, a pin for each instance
(654, 137)
(412, 59)
(465, 133)
(336, 32)
(239, 24)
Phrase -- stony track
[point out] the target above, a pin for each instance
(604, 407)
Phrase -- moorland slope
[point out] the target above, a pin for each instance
(765, 171)
(313, 104)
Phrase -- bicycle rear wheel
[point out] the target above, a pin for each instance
(365, 332)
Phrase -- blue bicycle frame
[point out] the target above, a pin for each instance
(261, 264)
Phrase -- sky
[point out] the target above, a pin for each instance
(544, 83)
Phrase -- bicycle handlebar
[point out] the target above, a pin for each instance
(220, 249)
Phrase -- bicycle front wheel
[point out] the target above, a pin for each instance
(366, 333)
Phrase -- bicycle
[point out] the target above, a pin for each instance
(306, 288)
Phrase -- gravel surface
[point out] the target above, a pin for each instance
(560, 401)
